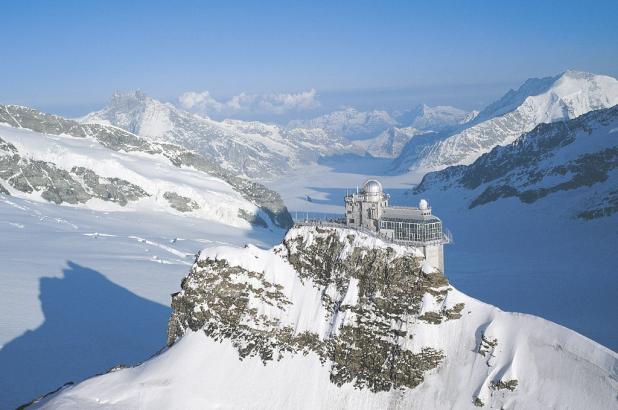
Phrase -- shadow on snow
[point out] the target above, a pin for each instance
(91, 324)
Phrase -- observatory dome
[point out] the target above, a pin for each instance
(371, 186)
(423, 204)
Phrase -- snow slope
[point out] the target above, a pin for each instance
(504, 360)
(97, 226)
(84, 290)
(216, 199)
(558, 157)
(252, 149)
(537, 101)
(63, 161)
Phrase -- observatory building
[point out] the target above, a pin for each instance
(411, 226)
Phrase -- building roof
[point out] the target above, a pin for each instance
(404, 213)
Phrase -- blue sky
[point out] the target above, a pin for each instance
(69, 56)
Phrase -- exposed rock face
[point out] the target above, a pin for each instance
(181, 203)
(378, 292)
(120, 140)
(555, 157)
(109, 189)
(58, 185)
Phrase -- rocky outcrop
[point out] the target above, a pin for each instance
(181, 203)
(378, 291)
(333, 318)
(57, 185)
(117, 139)
(109, 189)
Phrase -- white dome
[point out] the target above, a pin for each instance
(423, 204)
(372, 186)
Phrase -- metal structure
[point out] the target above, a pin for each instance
(368, 209)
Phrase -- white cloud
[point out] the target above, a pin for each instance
(273, 103)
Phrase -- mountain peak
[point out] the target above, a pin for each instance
(281, 325)
(120, 98)
(576, 74)
(536, 101)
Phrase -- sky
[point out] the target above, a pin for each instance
(293, 59)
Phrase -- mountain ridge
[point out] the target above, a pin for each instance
(545, 100)
(18, 119)
(248, 148)
(561, 156)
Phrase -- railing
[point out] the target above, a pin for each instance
(447, 237)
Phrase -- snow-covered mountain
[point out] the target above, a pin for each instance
(252, 149)
(389, 143)
(332, 318)
(578, 158)
(350, 123)
(50, 158)
(360, 125)
(537, 101)
(437, 118)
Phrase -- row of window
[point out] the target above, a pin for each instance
(414, 231)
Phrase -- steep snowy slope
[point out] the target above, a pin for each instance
(537, 101)
(63, 161)
(578, 157)
(334, 319)
(252, 149)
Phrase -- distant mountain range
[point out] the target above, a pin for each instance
(248, 148)
(537, 101)
(422, 139)
(350, 123)
(384, 134)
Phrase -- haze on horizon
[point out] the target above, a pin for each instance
(69, 57)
